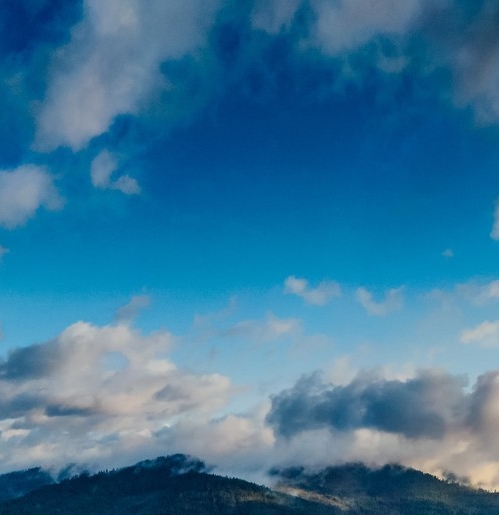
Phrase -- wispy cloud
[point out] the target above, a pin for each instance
(479, 293)
(485, 334)
(318, 295)
(393, 301)
(342, 29)
(270, 329)
(127, 313)
(494, 234)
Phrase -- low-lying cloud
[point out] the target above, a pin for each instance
(432, 421)
(109, 395)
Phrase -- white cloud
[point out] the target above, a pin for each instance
(102, 168)
(111, 66)
(3, 251)
(393, 301)
(23, 191)
(236, 444)
(448, 253)
(485, 334)
(318, 296)
(96, 393)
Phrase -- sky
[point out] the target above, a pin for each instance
(261, 232)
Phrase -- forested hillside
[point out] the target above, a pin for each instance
(182, 485)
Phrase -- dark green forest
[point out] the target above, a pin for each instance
(180, 484)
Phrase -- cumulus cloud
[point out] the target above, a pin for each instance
(111, 66)
(424, 406)
(394, 300)
(431, 421)
(318, 296)
(23, 191)
(94, 392)
(103, 167)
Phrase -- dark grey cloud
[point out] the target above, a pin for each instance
(20, 404)
(432, 421)
(32, 362)
(171, 393)
(64, 410)
(483, 414)
(426, 406)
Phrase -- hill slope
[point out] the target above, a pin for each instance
(17, 484)
(391, 489)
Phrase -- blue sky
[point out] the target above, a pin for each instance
(251, 231)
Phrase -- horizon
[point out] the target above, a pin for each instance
(262, 233)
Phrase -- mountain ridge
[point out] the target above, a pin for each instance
(181, 484)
